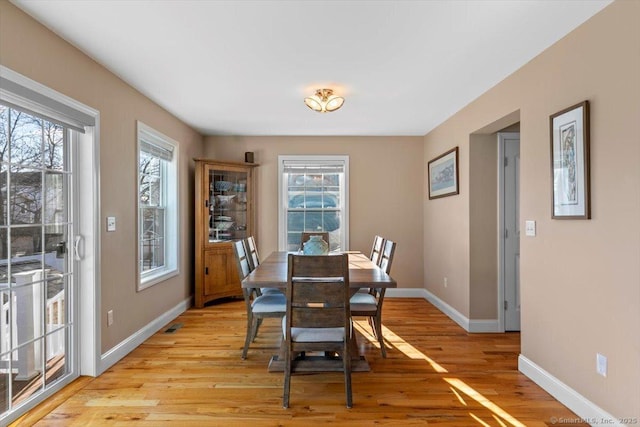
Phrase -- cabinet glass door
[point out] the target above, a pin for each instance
(228, 218)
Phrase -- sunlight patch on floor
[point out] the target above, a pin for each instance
(457, 385)
(469, 391)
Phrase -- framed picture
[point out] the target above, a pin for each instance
(443, 175)
(570, 163)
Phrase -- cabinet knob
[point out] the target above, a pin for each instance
(206, 270)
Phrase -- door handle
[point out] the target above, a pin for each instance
(76, 247)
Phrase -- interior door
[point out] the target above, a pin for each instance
(511, 230)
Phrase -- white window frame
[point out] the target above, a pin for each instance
(283, 200)
(170, 184)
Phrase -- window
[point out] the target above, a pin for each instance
(157, 207)
(313, 196)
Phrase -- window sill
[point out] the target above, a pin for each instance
(156, 277)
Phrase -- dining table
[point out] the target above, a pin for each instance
(363, 273)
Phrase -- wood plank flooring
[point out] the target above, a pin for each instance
(434, 374)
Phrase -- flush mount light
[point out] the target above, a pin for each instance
(324, 101)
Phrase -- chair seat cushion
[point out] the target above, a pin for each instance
(361, 301)
(314, 334)
(270, 303)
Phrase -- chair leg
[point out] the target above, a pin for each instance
(372, 325)
(378, 329)
(247, 340)
(287, 378)
(252, 328)
(346, 358)
(255, 331)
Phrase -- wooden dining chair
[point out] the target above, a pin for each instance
(252, 252)
(306, 234)
(369, 304)
(258, 305)
(254, 261)
(376, 249)
(318, 316)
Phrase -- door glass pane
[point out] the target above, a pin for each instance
(56, 366)
(4, 132)
(228, 204)
(26, 139)
(28, 299)
(53, 146)
(55, 212)
(4, 203)
(25, 195)
(26, 245)
(27, 370)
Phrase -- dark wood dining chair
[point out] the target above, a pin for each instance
(318, 315)
(252, 252)
(376, 250)
(258, 305)
(369, 304)
(306, 234)
(254, 261)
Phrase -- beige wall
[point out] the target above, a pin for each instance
(385, 191)
(580, 278)
(30, 49)
(483, 226)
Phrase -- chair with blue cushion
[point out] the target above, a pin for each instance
(259, 306)
(254, 261)
(318, 317)
(369, 304)
(376, 250)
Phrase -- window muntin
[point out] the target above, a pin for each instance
(313, 195)
(157, 207)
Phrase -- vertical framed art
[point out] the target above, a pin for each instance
(570, 170)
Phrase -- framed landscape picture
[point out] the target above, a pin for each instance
(443, 175)
(570, 172)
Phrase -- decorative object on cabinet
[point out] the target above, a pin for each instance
(570, 171)
(443, 174)
(224, 213)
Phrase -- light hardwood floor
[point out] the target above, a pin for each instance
(435, 373)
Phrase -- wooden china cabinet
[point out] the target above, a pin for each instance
(225, 211)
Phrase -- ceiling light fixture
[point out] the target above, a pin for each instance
(324, 101)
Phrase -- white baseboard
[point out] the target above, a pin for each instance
(484, 326)
(586, 410)
(469, 325)
(406, 293)
(119, 351)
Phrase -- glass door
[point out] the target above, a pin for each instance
(36, 266)
(228, 204)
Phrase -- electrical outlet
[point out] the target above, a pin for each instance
(446, 282)
(109, 317)
(601, 364)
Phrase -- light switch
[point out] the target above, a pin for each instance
(530, 228)
(111, 223)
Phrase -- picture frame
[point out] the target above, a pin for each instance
(443, 175)
(570, 169)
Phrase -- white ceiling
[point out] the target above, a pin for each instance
(244, 67)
